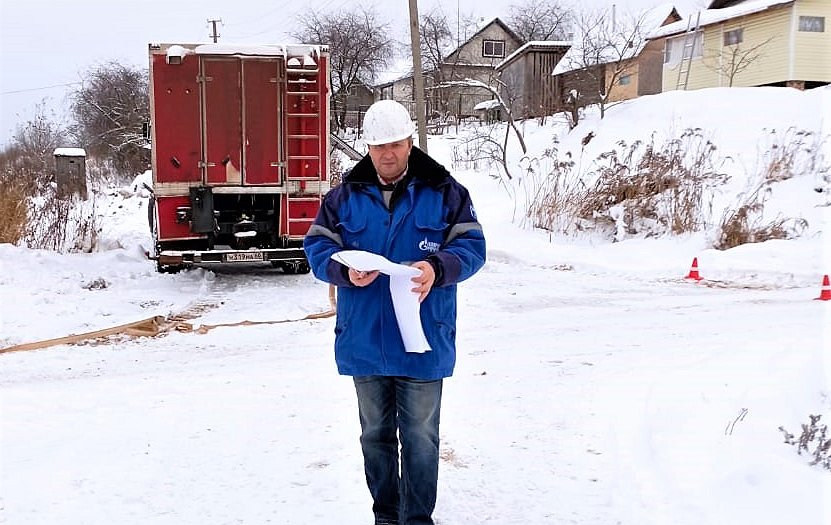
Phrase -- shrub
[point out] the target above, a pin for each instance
(812, 435)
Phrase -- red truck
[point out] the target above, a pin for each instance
(240, 144)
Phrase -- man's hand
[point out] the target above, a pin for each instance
(425, 280)
(362, 278)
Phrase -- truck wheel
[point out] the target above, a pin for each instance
(302, 268)
(292, 267)
(166, 268)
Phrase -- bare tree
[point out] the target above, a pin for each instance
(735, 58)
(603, 53)
(111, 108)
(539, 20)
(436, 38)
(503, 149)
(436, 42)
(31, 154)
(359, 44)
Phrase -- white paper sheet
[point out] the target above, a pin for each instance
(404, 300)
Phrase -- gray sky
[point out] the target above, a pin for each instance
(46, 45)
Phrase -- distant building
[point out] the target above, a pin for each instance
(528, 87)
(474, 59)
(749, 43)
(617, 62)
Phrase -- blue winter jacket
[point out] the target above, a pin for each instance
(433, 220)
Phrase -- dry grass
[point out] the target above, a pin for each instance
(650, 189)
(63, 224)
(14, 209)
(552, 188)
(32, 212)
(642, 188)
(785, 155)
(782, 157)
(745, 224)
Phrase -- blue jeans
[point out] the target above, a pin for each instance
(412, 408)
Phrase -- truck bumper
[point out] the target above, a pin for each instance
(189, 257)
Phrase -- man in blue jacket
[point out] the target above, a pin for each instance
(400, 203)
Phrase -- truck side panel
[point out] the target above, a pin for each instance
(261, 109)
(223, 121)
(176, 140)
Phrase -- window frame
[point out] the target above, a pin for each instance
(697, 50)
(494, 43)
(811, 24)
(733, 37)
(624, 80)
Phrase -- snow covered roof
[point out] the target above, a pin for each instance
(69, 152)
(259, 50)
(401, 69)
(713, 16)
(645, 23)
(484, 25)
(488, 104)
(533, 45)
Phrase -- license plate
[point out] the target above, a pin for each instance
(244, 257)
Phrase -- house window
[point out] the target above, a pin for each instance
(812, 24)
(691, 46)
(733, 37)
(493, 48)
(625, 80)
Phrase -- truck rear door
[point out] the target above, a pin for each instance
(261, 121)
(242, 121)
(223, 121)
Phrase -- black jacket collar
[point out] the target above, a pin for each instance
(421, 167)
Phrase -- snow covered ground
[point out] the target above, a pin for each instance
(595, 385)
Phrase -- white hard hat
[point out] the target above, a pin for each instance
(387, 121)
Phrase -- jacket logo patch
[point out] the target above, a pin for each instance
(428, 246)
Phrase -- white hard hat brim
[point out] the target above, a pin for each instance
(389, 140)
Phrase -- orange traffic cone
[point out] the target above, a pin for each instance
(825, 294)
(694, 271)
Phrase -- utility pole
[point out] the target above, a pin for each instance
(418, 76)
(214, 35)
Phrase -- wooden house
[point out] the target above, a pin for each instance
(474, 59)
(528, 87)
(614, 60)
(749, 43)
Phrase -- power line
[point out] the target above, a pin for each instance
(39, 88)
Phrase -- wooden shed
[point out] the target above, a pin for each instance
(71, 172)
